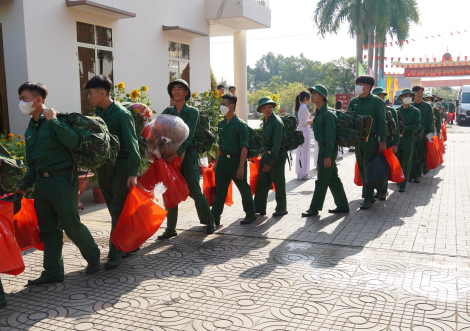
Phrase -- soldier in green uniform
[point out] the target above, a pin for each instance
(412, 119)
(392, 140)
(179, 91)
(273, 161)
(231, 161)
(50, 166)
(3, 301)
(452, 111)
(429, 99)
(369, 104)
(445, 109)
(324, 128)
(115, 180)
(427, 126)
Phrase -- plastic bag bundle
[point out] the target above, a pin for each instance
(377, 172)
(11, 261)
(139, 220)
(168, 174)
(167, 134)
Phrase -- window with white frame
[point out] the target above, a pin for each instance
(178, 61)
(95, 56)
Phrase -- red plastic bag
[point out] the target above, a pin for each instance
(254, 173)
(11, 261)
(442, 148)
(357, 176)
(26, 226)
(209, 188)
(444, 131)
(169, 175)
(396, 172)
(139, 220)
(432, 154)
(436, 146)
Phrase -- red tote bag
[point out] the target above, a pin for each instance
(396, 172)
(139, 220)
(442, 148)
(26, 226)
(11, 261)
(209, 188)
(254, 174)
(432, 155)
(357, 176)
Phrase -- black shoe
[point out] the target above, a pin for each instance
(112, 264)
(210, 229)
(410, 180)
(217, 223)
(425, 171)
(309, 213)
(401, 190)
(167, 236)
(338, 211)
(125, 255)
(92, 269)
(42, 281)
(367, 204)
(376, 195)
(382, 197)
(261, 213)
(3, 304)
(417, 180)
(248, 221)
(280, 213)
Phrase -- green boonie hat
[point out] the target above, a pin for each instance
(320, 89)
(428, 95)
(379, 90)
(405, 91)
(181, 82)
(265, 101)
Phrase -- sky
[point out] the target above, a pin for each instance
(293, 32)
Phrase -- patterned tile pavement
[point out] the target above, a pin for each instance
(403, 265)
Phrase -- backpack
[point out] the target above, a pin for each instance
(204, 137)
(255, 142)
(391, 125)
(139, 122)
(96, 145)
(295, 137)
(12, 172)
(401, 121)
(352, 128)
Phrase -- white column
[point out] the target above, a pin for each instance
(240, 75)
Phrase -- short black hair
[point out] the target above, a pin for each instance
(220, 86)
(232, 87)
(100, 81)
(365, 79)
(417, 88)
(339, 105)
(35, 88)
(232, 99)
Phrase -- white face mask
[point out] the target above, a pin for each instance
(429, 102)
(359, 89)
(27, 107)
(224, 110)
(407, 100)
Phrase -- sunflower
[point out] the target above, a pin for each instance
(10, 135)
(194, 95)
(21, 158)
(19, 136)
(25, 170)
(217, 93)
(135, 94)
(274, 97)
(13, 157)
(3, 140)
(22, 142)
(121, 86)
(145, 88)
(205, 94)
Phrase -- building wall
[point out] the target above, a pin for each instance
(140, 48)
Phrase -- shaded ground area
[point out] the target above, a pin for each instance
(403, 265)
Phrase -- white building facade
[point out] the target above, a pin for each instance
(63, 43)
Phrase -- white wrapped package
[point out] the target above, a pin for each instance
(167, 134)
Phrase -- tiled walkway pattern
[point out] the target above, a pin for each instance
(403, 265)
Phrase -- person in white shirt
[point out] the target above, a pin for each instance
(302, 164)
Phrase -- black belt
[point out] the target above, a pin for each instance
(190, 149)
(231, 156)
(375, 135)
(60, 172)
(321, 144)
(408, 134)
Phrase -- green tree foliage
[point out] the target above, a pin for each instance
(445, 92)
(213, 81)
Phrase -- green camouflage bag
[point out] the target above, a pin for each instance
(295, 137)
(419, 133)
(12, 172)
(255, 142)
(401, 124)
(391, 125)
(352, 128)
(96, 145)
(204, 137)
(139, 122)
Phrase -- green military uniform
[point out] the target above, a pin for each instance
(324, 129)
(452, 110)
(404, 154)
(274, 142)
(3, 300)
(445, 108)
(427, 123)
(113, 178)
(233, 136)
(51, 167)
(189, 170)
(366, 150)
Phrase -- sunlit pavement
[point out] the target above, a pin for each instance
(402, 265)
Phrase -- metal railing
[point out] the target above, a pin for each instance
(263, 2)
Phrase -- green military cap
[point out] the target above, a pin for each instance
(406, 91)
(379, 90)
(320, 89)
(181, 82)
(265, 101)
(429, 95)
